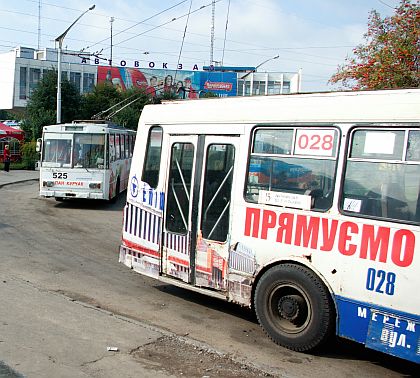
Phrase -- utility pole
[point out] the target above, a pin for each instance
(39, 24)
(213, 12)
(111, 22)
(60, 40)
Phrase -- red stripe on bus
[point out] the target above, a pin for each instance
(138, 248)
(179, 261)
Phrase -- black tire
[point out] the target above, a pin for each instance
(294, 307)
(117, 191)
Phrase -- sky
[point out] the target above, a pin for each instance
(314, 36)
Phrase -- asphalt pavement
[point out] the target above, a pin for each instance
(15, 176)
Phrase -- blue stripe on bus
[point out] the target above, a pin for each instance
(384, 329)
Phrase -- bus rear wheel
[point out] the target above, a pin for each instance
(117, 191)
(294, 307)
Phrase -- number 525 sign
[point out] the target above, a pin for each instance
(318, 142)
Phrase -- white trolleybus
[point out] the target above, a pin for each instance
(85, 159)
(305, 207)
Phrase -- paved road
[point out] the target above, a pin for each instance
(14, 176)
(65, 299)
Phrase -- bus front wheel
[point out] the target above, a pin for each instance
(294, 307)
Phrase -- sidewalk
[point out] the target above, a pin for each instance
(12, 177)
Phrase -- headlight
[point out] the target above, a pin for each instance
(48, 184)
(95, 185)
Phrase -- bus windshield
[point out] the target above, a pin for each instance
(57, 150)
(89, 151)
(82, 151)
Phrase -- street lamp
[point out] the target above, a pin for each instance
(60, 39)
(257, 66)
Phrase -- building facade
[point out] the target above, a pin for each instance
(22, 68)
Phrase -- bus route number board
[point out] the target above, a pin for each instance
(318, 142)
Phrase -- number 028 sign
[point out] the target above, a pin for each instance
(315, 142)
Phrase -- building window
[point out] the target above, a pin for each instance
(240, 87)
(34, 77)
(275, 87)
(286, 87)
(88, 82)
(258, 88)
(22, 83)
(45, 71)
(64, 75)
(75, 79)
(247, 88)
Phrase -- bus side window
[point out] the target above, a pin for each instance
(276, 165)
(111, 148)
(377, 181)
(117, 147)
(132, 143)
(153, 154)
(127, 146)
(122, 144)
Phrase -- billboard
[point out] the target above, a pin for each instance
(182, 84)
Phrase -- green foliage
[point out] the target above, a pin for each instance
(129, 116)
(105, 95)
(42, 105)
(209, 94)
(102, 97)
(41, 108)
(390, 57)
(4, 114)
(29, 155)
(35, 120)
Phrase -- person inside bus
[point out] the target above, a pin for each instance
(63, 152)
(97, 156)
(6, 158)
(77, 156)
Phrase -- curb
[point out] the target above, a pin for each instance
(18, 182)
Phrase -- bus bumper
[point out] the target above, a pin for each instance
(70, 194)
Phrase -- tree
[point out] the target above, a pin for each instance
(129, 116)
(42, 105)
(390, 57)
(4, 114)
(102, 97)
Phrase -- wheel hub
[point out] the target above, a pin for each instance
(289, 307)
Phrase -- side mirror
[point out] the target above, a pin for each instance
(38, 145)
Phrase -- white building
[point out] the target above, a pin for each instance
(268, 83)
(252, 83)
(22, 68)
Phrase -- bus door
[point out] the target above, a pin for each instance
(198, 206)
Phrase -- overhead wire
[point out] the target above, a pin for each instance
(225, 39)
(226, 28)
(140, 22)
(155, 27)
(166, 23)
(183, 39)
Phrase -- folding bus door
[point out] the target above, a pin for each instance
(198, 209)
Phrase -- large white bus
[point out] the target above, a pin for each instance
(305, 207)
(85, 159)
